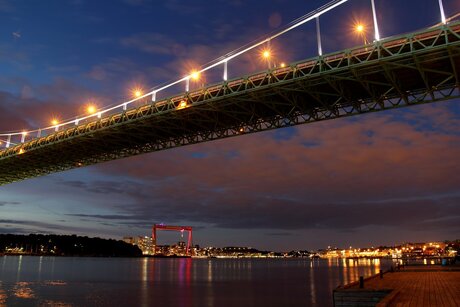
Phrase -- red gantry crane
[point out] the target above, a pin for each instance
(173, 228)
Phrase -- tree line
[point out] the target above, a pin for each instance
(65, 245)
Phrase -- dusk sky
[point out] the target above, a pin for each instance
(379, 178)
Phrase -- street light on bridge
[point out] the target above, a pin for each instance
(55, 123)
(91, 109)
(360, 30)
(266, 55)
(195, 75)
(137, 92)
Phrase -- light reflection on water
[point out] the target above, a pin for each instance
(59, 281)
(2, 296)
(23, 291)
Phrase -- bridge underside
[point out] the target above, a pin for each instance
(413, 69)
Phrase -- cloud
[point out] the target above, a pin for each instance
(134, 2)
(12, 230)
(36, 105)
(378, 169)
(28, 226)
(153, 43)
(106, 217)
(18, 59)
(6, 6)
(280, 234)
(183, 7)
(247, 211)
(7, 203)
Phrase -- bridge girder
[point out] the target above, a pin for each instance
(412, 69)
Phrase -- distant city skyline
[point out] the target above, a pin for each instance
(383, 177)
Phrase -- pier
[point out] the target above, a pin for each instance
(431, 285)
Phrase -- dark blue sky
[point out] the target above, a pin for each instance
(379, 178)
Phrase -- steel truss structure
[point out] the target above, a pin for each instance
(411, 69)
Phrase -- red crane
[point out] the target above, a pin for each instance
(174, 228)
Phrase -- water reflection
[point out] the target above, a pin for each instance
(144, 287)
(312, 284)
(22, 290)
(19, 268)
(40, 267)
(209, 285)
(55, 283)
(176, 282)
(51, 303)
(3, 263)
(145, 263)
(2, 296)
(185, 297)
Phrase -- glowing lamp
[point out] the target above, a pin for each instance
(91, 109)
(195, 75)
(137, 92)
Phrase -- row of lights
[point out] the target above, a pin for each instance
(91, 108)
(266, 54)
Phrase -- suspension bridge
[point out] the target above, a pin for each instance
(405, 70)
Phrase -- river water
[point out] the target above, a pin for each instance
(86, 281)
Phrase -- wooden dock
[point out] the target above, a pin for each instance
(410, 286)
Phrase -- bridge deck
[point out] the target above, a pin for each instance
(411, 69)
